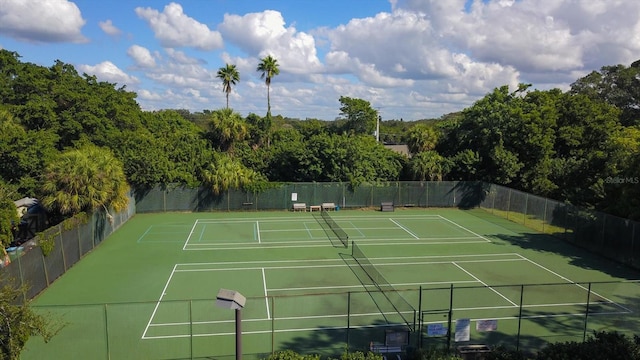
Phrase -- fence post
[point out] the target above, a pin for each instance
(273, 325)
(508, 204)
(348, 318)
(520, 318)
(586, 314)
(544, 215)
(418, 330)
(450, 317)
(526, 209)
(106, 330)
(191, 329)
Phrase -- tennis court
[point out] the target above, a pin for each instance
(316, 285)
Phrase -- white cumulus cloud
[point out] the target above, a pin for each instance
(41, 21)
(141, 56)
(265, 33)
(108, 71)
(108, 27)
(175, 29)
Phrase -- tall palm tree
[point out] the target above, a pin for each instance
(268, 68)
(229, 76)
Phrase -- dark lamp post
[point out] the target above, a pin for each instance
(230, 299)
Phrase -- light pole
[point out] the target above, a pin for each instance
(230, 299)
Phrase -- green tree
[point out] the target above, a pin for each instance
(24, 153)
(585, 149)
(230, 77)
(421, 138)
(429, 165)
(58, 99)
(291, 159)
(83, 180)
(356, 159)
(360, 116)
(228, 173)
(268, 68)
(260, 129)
(616, 85)
(18, 321)
(8, 215)
(464, 165)
(227, 128)
(168, 149)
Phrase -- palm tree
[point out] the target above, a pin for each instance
(85, 179)
(228, 128)
(421, 138)
(229, 76)
(428, 165)
(268, 68)
(227, 173)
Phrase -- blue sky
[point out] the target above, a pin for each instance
(410, 59)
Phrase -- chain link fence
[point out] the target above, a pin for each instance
(329, 323)
(71, 240)
(520, 326)
(611, 236)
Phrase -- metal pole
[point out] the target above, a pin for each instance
(586, 314)
(191, 328)
(238, 334)
(450, 316)
(106, 330)
(420, 320)
(520, 318)
(348, 318)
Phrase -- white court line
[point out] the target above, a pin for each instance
(341, 262)
(193, 228)
(145, 233)
(324, 243)
(266, 295)
(204, 227)
(359, 286)
(298, 267)
(291, 219)
(464, 228)
(405, 229)
(573, 282)
(164, 292)
(481, 282)
(257, 230)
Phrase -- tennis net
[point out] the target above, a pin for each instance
(397, 301)
(334, 227)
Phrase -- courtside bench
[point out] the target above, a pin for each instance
(300, 207)
(328, 206)
(386, 206)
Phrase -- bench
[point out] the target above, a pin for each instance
(328, 206)
(386, 206)
(313, 208)
(384, 349)
(299, 207)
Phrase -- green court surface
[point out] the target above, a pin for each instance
(148, 292)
